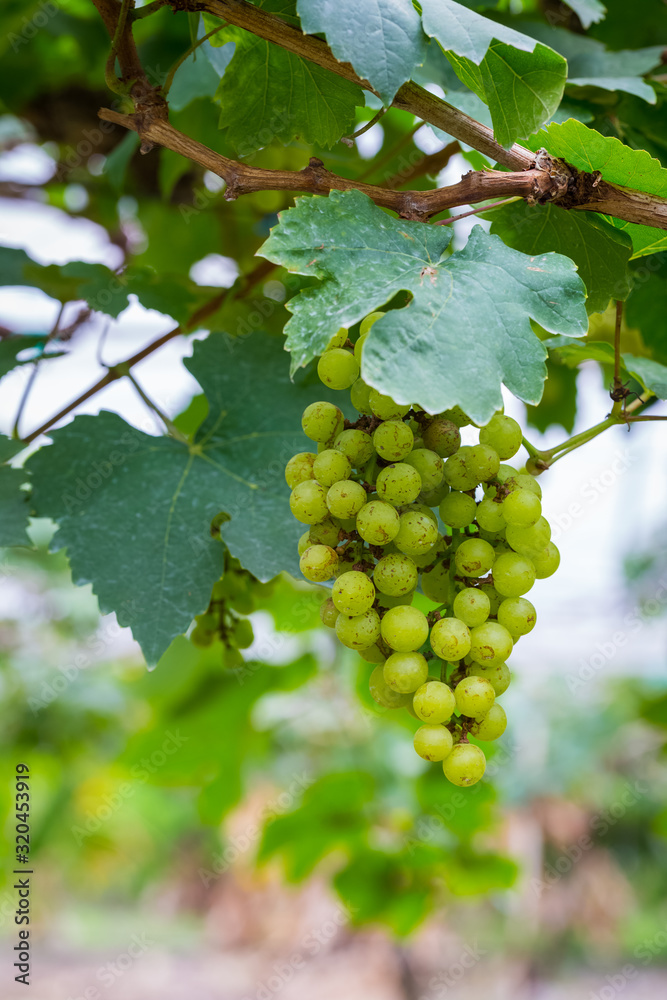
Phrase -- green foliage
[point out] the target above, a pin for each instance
(13, 500)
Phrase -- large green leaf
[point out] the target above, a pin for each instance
(135, 511)
(586, 149)
(14, 508)
(600, 251)
(467, 328)
(382, 39)
(651, 374)
(519, 79)
(647, 306)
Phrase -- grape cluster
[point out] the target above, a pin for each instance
(369, 497)
(233, 597)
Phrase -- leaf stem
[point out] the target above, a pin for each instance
(172, 429)
(33, 373)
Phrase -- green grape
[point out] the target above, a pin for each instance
(456, 415)
(521, 508)
(490, 643)
(325, 533)
(398, 484)
(338, 369)
(367, 323)
(420, 508)
(433, 742)
(378, 522)
(382, 693)
(322, 421)
(513, 574)
(396, 574)
(357, 446)
(434, 702)
(405, 672)
(492, 726)
(474, 697)
(517, 615)
(404, 628)
(529, 541)
(430, 467)
(482, 462)
(384, 601)
(339, 339)
(308, 502)
(299, 468)
(358, 631)
(457, 472)
(372, 654)
(450, 639)
(465, 765)
(359, 396)
(345, 499)
(443, 437)
(384, 407)
(318, 563)
(503, 434)
(525, 482)
(474, 557)
(304, 542)
(202, 637)
(546, 562)
(432, 498)
(489, 515)
(393, 440)
(431, 555)
(331, 466)
(329, 613)
(457, 510)
(353, 593)
(359, 346)
(472, 606)
(243, 635)
(417, 533)
(437, 585)
(498, 675)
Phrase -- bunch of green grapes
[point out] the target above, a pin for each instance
(369, 497)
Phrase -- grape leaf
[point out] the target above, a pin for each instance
(558, 406)
(14, 508)
(586, 149)
(11, 346)
(647, 306)
(465, 331)
(135, 511)
(520, 79)
(651, 374)
(382, 39)
(600, 251)
(588, 11)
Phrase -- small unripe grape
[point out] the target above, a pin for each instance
(330, 467)
(503, 434)
(299, 468)
(357, 446)
(546, 562)
(529, 541)
(430, 467)
(345, 499)
(359, 346)
(417, 533)
(304, 542)
(492, 726)
(393, 440)
(405, 672)
(490, 643)
(322, 421)
(329, 613)
(456, 415)
(432, 498)
(378, 522)
(489, 515)
(318, 563)
(450, 639)
(482, 462)
(338, 369)
(457, 474)
(242, 635)
(308, 502)
(458, 510)
(474, 697)
(384, 407)
(396, 574)
(434, 702)
(493, 596)
(433, 742)
(498, 675)
(353, 593)
(398, 484)
(404, 628)
(431, 556)
(437, 585)
(517, 615)
(522, 508)
(472, 606)
(358, 631)
(474, 557)
(359, 396)
(465, 765)
(513, 574)
(443, 437)
(372, 654)
(368, 322)
(521, 481)
(324, 533)
(385, 601)
(382, 693)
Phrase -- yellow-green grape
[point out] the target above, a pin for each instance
(457, 510)
(353, 593)
(384, 407)
(432, 498)
(421, 508)
(372, 654)
(465, 765)
(503, 434)
(482, 462)
(497, 674)
(474, 697)
(396, 575)
(529, 541)
(359, 346)
(522, 481)
(338, 369)
(474, 557)
(492, 726)
(450, 639)
(368, 321)
(434, 702)
(490, 643)
(517, 615)
(417, 533)
(405, 672)
(385, 601)
(204, 632)
(437, 585)
(398, 484)
(393, 440)
(522, 508)
(243, 635)
(358, 631)
(378, 522)
(345, 499)
(308, 502)
(472, 606)
(359, 396)
(443, 437)
(430, 556)
(299, 468)
(324, 533)
(357, 446)
(318, 563)
(433, 742)
(331, 466)
(456, 415)
(339, 339)
(546, 562)
(430, 467)
(404, 628)
(329, 613)
(489, 515)
(322, 421)
(382, 694)
(513, 574)
(304, 542)
(457, 474)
